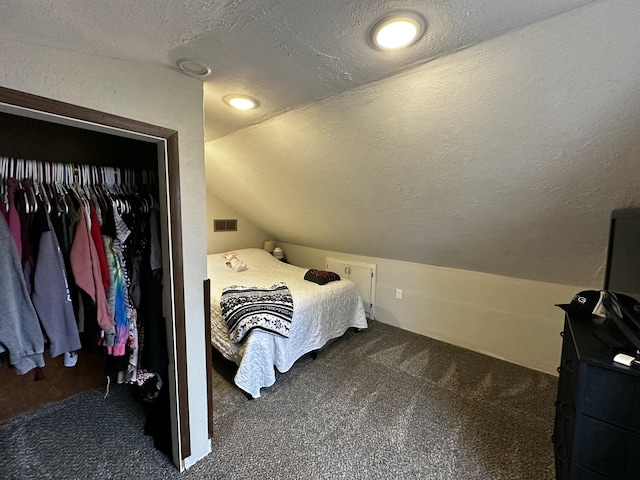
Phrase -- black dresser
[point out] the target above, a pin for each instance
(597, 424)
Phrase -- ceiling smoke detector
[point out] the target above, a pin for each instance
(397, 30)
(193, 67)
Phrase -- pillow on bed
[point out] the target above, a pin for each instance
(321, 277)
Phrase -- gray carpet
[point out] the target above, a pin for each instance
(380, 404)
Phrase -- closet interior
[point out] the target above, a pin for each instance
(80, 212)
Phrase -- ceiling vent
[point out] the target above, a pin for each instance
(193, 67)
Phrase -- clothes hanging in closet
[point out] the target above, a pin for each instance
(86, 243)
(20, 332)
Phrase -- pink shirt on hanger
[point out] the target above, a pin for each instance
(85, 265)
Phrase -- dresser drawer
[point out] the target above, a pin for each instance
(612, 396)
(602, 447)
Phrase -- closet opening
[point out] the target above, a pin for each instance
(54, 133)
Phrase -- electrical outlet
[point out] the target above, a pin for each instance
(399, 293)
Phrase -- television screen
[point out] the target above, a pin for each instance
(623, 258)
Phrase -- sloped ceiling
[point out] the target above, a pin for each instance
(500, 142)
(506, 157)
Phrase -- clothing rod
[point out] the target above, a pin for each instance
(68, 174)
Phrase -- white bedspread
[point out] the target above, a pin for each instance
(320, 313)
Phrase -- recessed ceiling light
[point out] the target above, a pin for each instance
(193, 67)
(241, 102)
(397, 30)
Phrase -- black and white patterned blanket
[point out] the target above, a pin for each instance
(265, 308)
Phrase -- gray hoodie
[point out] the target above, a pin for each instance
(51, 297)
(20, 331)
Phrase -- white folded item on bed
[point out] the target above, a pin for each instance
(320, 313)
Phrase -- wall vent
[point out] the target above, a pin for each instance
(225, 225)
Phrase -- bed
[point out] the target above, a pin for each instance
(320, 313)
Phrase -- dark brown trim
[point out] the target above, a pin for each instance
(43, 104)
(209, 350)
(178, 279)
(47, 105)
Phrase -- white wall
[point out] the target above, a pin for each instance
(508, 318)
(506, 157)
(248, 235)
(157, 96)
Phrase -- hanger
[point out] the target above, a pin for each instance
(59, 185)
(47, 185)
(22, 186)
(4, 175)
(41, 193)
(31, 202)
(60, 175)
(98, 187)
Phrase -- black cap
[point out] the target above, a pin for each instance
(585, 304)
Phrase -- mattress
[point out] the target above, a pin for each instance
(320, 313)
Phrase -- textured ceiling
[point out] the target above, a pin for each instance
(500, 142)
(285, 53)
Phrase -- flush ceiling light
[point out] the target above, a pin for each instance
(397, 30)
(193, 67)
(241, 102)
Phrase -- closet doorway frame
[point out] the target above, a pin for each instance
(23, 104)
